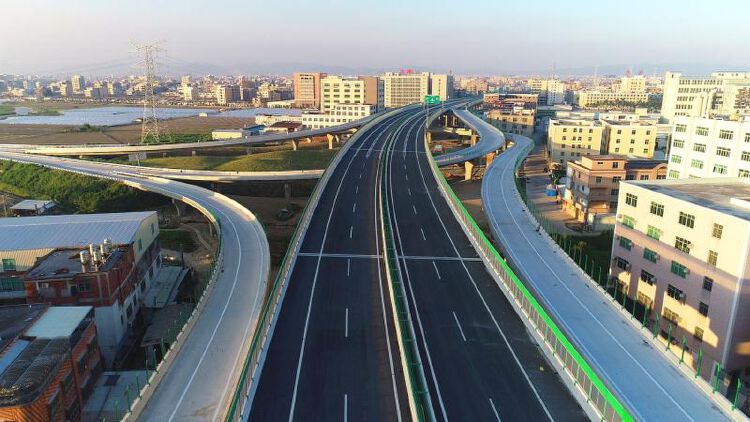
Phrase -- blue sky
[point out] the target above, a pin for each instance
(492, 37)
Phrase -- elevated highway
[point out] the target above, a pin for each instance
(198, 381)
(485, 145)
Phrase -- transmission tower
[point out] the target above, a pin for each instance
(150, 124)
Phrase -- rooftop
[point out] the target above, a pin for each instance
(61, 231)
(725, 195)
(59, 321)
(33, 204)
(64, 263)
(14, 319)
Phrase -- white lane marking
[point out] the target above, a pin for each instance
(411, 293)
(346, 407)
(415, 209)
(348, 266)
(407, 176)
(458, 324)
(476, 288)
(340, 255)
(354, 207)
(583, 306)
(315, 281)
(423, 236)
(357, 189)
(494, 409)
(434, 265)
(351, 230)
(346, 323)
(360, 175)
(409, 189)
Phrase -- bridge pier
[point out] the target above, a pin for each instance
(295, 144)
(469, 167)
(308, 140)
(474, 139)
(331, 137)
(428, 134)
(287, 191)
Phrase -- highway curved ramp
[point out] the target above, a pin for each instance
(651, 386)
(198, 384)
(490, 140)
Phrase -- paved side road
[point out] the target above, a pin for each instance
(198, 385)
(650, 386)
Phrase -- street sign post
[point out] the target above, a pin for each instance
(431, 99)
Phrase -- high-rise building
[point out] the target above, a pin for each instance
(632, 84)
(185, 80)
(362, 90)
(631, 138)
(721, 93)
(114, 89)
(442, 86)
(550, 91)
(79, 84)
(246, 88)
(405, 87)
(66, 89)
(190, 93)
(681, 250)
(307, 89)
(226, 94)
(706, 148)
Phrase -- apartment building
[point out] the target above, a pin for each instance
(78, 83)
(442, 86)
(632, 84)
(519, 120)
(66, 89)
(632, 138)
(594, 99)
(722, 93)
(361, 90)
(550, 91)
(226, 94)
(405, 87)
(571, 139)
(704, 148)
(681, 248)
(593, 183)
(50, 362)
(103, 260)
(307, 89)
(341, 113)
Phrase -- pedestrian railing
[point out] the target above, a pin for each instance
(597, 394)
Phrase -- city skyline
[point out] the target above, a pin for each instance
(582, 39)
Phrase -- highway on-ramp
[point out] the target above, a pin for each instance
(479, 361)
(651, 386)
(199, 383)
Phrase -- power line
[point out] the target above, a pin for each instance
(150, 125)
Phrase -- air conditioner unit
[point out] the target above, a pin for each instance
(627, 267)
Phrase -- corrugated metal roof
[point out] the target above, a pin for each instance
(33, 204)
(61, 231)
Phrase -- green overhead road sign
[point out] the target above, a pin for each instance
(431, 99)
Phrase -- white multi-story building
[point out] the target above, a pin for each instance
(341, 113)
(703, 147)
(442, 86)
(405, 88)
(550, 91)
(721, 93)
(337, 90)
(682, 248)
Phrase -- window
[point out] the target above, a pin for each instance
(674, 174)
(726, 134)
(686, 219)
(679, 269)
(616, 179)
(628, 221)
(712, 257)
(643, 299)
(720, 169)
(622, 264)
(671, 316)
(84, 287)
(643, 177)
(140, 245)
(647, 277)
(699, 147)
(708, 283)
(747, 137)
(675, 159)
(598, 179)
(631, 199)
(9, 264)
(682, 244)
(614, 192)
(696, 164)
(650, 255)
(717, 231)
(615, 165)
(675, 293)
(680, 128)
(703, 309)
(626, 243)
(698, 334)
(701, 131)
(653, 232)
(630, 177)
(723, 152)
(657, 209)
(677, 143)
(743, 173)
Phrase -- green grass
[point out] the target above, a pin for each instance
(174, 238)
(267, 161)
(7, 109)
(179, 138)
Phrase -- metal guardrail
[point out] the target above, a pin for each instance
(597, 394)
(261, 336)
(419, 397)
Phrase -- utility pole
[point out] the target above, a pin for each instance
(150, 124)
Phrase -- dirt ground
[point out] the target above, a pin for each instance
(60, 134)
(469, 192)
